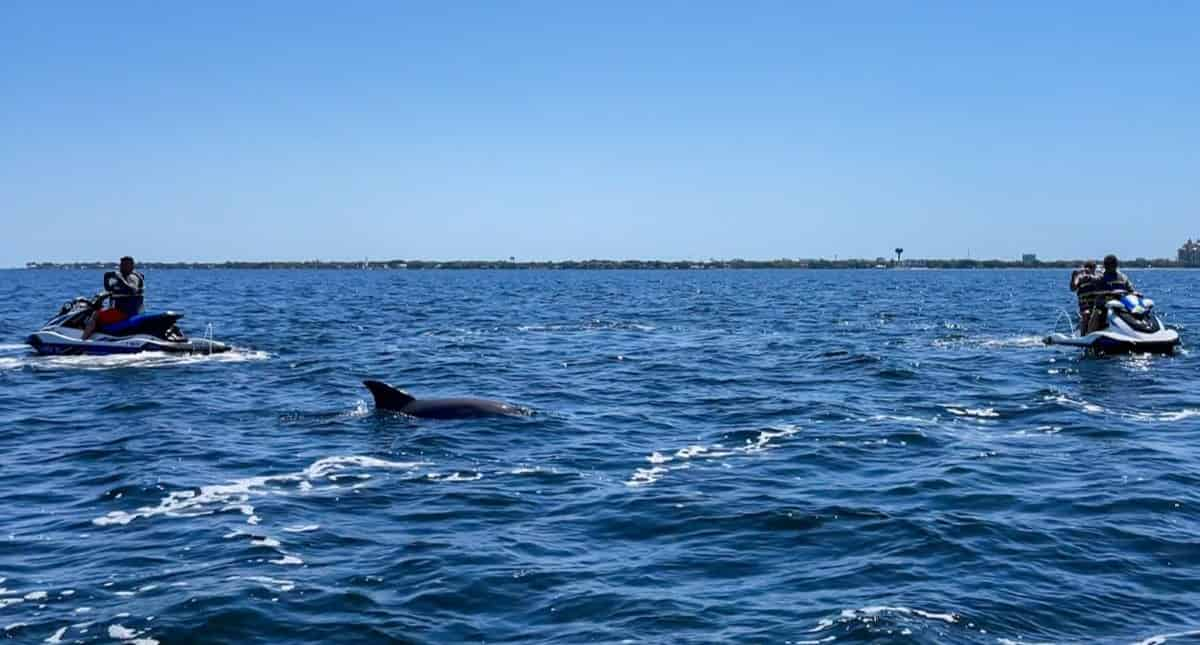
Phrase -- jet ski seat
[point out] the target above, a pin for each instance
(153, 324)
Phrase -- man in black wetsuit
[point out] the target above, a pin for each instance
(125, 289)
(1110, 281)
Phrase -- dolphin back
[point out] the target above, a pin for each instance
(460, 409)
(388, 397)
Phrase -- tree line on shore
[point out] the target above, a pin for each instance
(614, 264)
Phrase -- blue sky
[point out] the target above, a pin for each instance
(554, 130)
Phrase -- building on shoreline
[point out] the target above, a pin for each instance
(1189, 254)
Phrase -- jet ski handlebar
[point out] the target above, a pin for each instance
(95, 301)
(91, 303)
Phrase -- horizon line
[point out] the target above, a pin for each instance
(512, 261)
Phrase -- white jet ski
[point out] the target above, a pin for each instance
(63, 334)
(1131, 327)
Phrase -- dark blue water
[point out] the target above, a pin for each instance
(777, 456)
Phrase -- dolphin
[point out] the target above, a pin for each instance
(390, 398)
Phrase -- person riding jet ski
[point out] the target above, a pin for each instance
(82, 327)
(1080, 277)
(126, 289)
(1082, 283)
(1109, 282)
(1113, 318)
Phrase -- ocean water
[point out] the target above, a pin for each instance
(724, 456)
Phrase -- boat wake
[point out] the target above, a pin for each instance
(26, 359)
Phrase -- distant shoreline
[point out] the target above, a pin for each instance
(616, 264)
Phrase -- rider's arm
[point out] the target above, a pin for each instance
(118, 287)
(115, 285)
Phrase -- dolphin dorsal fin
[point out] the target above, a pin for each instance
(388, 397)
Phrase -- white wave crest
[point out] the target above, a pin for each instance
(851, 614)
(1168, 416)
(980, 413)
(455, 477)
(235, 495)
(661, 464)
(1162, 638)
(270, 583)
(122, 633)
(870, 615)
(1090, 408)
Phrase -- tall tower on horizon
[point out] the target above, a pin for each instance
(1189, 253)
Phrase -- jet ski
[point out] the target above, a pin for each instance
(62, 334)
(1130, 327)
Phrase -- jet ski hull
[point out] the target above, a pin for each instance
(1106, 342)
(63, 343)
(1130, 328)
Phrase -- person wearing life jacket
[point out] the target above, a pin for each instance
(1108, 284)
(1083, 283)
(125, 289)
(1081, 277)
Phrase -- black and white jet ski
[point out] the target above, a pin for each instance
(1131, 327)
(62, 334)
